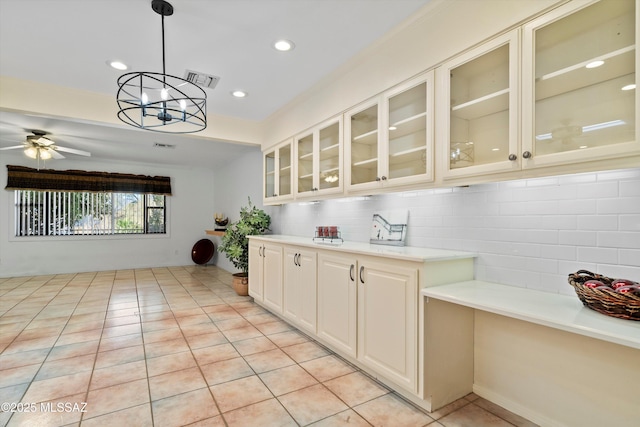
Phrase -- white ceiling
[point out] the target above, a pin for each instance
(68, 42)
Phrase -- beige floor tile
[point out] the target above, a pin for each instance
(243, 333)
(73, 350)
(139, 416)
(348, 418)
(183, 409)
(327, 367)
(271, 328)
(390, 410)
(51, 414)
(473, 415)
(226, 370)
(199, 329)
(118, 374)
(177, 382)
(287, 379)
(29, 345)
(76, 337)
(206, 340)
(268, 360)
(238, 393)
(215, 353)
(23, 358)
(169, 363)
(117, 397)
(356, 388)
(58, 368)
(446, 410)
(503, 413)
(118, 331)
(162, 348)
(288, 338)
(312, 404)
(53, 388)
(18, 375)
(267, 413)
(254, 345)
(119, 356)
(115, 343)
(305, 351)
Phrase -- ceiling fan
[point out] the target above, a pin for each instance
(38, 146)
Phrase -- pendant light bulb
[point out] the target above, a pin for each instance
(44, 154)
(164, 94)
(144, 99)
(183, 105)
(31, 152)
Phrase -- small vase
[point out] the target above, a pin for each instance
(241, 283)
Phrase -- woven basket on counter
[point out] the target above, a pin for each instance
(605, 301)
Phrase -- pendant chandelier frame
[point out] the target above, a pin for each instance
(161, 102)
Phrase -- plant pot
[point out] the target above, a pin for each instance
(241, 283)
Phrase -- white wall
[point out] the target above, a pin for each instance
(529, 233)
(233, 184)
(190, 213)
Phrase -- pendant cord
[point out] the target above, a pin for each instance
(164, 71)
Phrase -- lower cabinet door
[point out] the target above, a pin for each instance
(337, 302)
(256, 271)
(388, 321)
(300, 288)
(272, 265)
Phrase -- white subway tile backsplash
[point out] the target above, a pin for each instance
(528, 233)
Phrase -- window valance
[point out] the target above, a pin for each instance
(24, 178)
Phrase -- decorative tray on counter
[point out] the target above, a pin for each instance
(613, 297)
(328, 240)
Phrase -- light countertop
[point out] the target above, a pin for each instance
(553, 310)
(406, 253)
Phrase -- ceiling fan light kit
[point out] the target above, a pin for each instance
(158, 101)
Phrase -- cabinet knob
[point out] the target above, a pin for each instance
(526, 154)
(384, 178)
(275, 195)
(513, 157)
(377, 178)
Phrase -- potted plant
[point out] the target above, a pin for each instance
(235, 244)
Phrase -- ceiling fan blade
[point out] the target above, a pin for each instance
(56, 155)
(73, 151)
(12, 148)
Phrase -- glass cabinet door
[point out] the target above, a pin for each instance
(305, 163)
(408, 130)
(330, 149)
(581, 82)
(269, 174)
(482, 108)
(284, 170)
(363, 143)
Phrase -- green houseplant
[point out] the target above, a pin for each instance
(235, 244)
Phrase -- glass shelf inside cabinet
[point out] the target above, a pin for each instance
(269, 171)
(329, 145)
(364, 145)
(285, 170)
(305, 163)
(407, 132)
(585, 79)
(479, 121)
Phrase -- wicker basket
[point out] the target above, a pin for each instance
(609, 302)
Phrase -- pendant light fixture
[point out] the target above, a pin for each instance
(161, 102)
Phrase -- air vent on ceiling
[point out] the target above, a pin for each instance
(201, 79)
(157, 144)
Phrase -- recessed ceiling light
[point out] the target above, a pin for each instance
(594, 64)
(284, 45)
(118, 65)
(239, 93)
(629, 87)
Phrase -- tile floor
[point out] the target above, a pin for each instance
(175, 347)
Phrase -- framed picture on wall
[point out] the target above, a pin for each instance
(389, 227)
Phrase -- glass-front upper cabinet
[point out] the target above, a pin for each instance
(579, 83)
(390, 138)
(479, 109)
(278, 173)
(319, 160)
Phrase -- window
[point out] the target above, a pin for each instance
(62, 213)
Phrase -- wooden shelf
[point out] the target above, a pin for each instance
(215, 232)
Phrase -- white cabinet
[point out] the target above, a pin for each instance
(337, 303)
(299, 283)
(278, 173)
(265, 274)
(579, 78)
(388, 320)
(389, 139)
(318, 155)
(478, 109)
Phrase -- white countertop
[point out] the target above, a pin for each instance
(406, 253)
(556, 311)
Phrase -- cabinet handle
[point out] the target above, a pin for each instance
(361, 271)
(513, 157)
(384, 178)
(296, 259)
(351, 272)
(260, 251)
(264, 254)
(526, 154)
